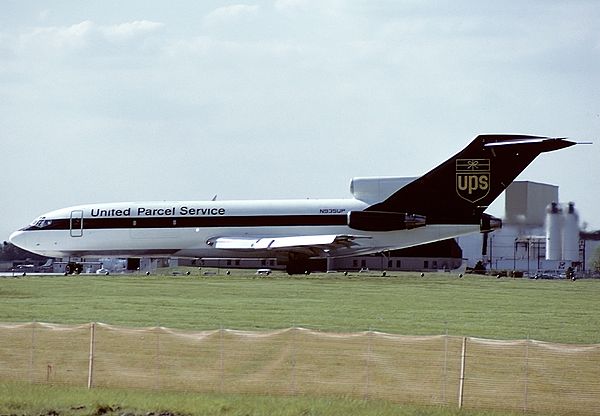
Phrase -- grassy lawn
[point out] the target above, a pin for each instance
(51, 400)
(403, 303)
(557, 311)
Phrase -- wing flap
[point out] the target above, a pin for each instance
(328, 241)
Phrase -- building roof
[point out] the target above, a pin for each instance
(592, 235)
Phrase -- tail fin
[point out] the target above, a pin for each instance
(460, 189)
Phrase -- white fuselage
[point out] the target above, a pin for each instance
(186, 228)
(385, 214)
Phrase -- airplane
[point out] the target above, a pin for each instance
(384, 214)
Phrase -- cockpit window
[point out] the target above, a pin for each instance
(35, 222)
(41, 222)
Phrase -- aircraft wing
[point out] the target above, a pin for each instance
(307, 244)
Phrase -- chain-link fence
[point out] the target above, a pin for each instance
(523, 375)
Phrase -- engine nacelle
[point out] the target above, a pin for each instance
(384, 221)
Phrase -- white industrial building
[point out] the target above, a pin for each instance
(538, 235)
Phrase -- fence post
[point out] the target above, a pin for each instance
(157, 358)
(368, 362)
(91, 356)
(526, 373)
(293, 360)
(221, 360)
(445, 380)
(462, 373)
(32, 355)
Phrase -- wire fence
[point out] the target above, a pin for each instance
(523, 375)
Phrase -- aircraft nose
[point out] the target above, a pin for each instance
(19, 239)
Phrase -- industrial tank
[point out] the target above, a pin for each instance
(570, 234)
(554, 222)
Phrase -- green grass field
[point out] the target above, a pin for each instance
(404, 303)
(558, 311)
(54, 401)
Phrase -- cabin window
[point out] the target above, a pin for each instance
(398, 264)
(426, 264)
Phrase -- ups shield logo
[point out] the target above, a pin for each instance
(472, 178)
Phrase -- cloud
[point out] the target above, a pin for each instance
(291, 5)
(43, 15)
(59, 37)
(125, 31)
(83, 34)
(230, 14)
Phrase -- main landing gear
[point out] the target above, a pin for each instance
(305, 265)
(298, 265)
(297, 268)
(73, 268)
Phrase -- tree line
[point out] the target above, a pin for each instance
(10, 252)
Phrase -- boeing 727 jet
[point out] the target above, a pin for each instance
(384, 214)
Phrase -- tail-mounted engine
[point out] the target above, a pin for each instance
(384, 221)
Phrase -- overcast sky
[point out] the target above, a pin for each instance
(143, 100)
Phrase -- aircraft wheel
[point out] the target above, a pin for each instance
(73, 268)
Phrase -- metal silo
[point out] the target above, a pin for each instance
(570, 234)
(554, 222)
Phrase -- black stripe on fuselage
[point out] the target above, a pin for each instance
(197, 222)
